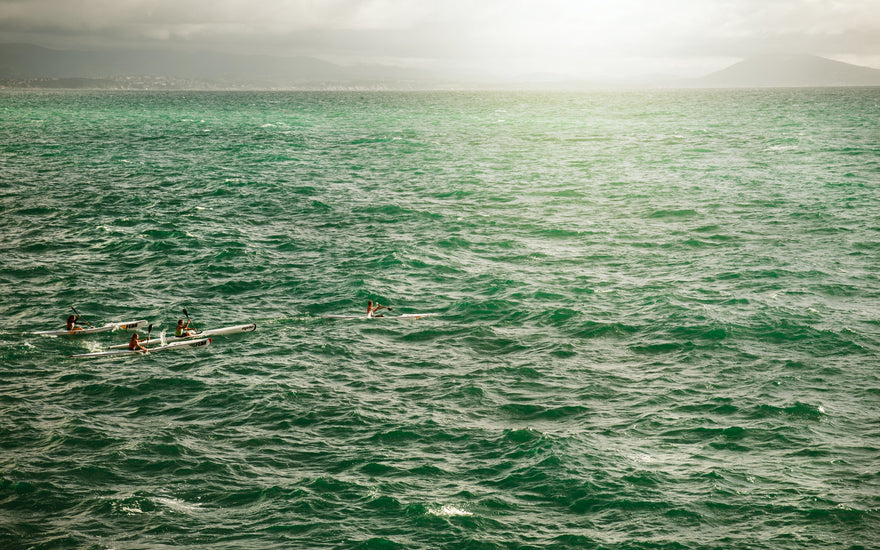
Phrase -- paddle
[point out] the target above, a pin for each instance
(380, 307)
(188, 320)
(80, 316)
(149, 330)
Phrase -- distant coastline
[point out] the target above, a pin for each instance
(25, 66)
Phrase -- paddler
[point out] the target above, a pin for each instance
(371, 309)
(134, 345)
(71, 323)
(183, 330)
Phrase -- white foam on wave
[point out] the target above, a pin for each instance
(178, 505)
(642, 458)
(449, 510)
(94, 347)
(130, 510)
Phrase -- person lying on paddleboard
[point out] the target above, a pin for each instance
(371, 309)
(72, 322)
(183, 330)
(134, 345)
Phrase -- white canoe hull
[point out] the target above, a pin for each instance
(212, 332)
(130, 325)
(173, 345)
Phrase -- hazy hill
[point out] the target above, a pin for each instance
(791, 71)
(28, 62)
(34, 66)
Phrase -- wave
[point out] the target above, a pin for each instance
(541, 412)
(675, 214)
(634, 350)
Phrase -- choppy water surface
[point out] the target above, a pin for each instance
(658, 319)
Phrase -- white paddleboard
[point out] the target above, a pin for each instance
(401, 316)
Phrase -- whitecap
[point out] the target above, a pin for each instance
(178, 505)
(130, 510)
(94, 347)
(642, 457)
(449, 510)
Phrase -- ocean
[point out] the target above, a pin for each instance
(657, 319)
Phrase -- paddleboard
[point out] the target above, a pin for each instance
(401, 316)
(173, 345)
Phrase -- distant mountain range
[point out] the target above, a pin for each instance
(35, 65)
(24, 65)
(791, 71)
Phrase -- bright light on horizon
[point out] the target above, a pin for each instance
(577, 39)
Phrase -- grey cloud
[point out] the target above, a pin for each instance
(532, 33)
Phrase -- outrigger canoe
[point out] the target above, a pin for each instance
(173, 345)
(212, 332)
(131, 325)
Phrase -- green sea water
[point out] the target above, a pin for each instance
(658, 320)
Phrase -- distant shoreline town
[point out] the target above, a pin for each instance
(24, 66)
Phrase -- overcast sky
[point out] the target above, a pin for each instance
(584, 38)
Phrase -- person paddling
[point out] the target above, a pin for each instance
(134, 345)
(371, 309)
(72, 322)
(183, 330)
